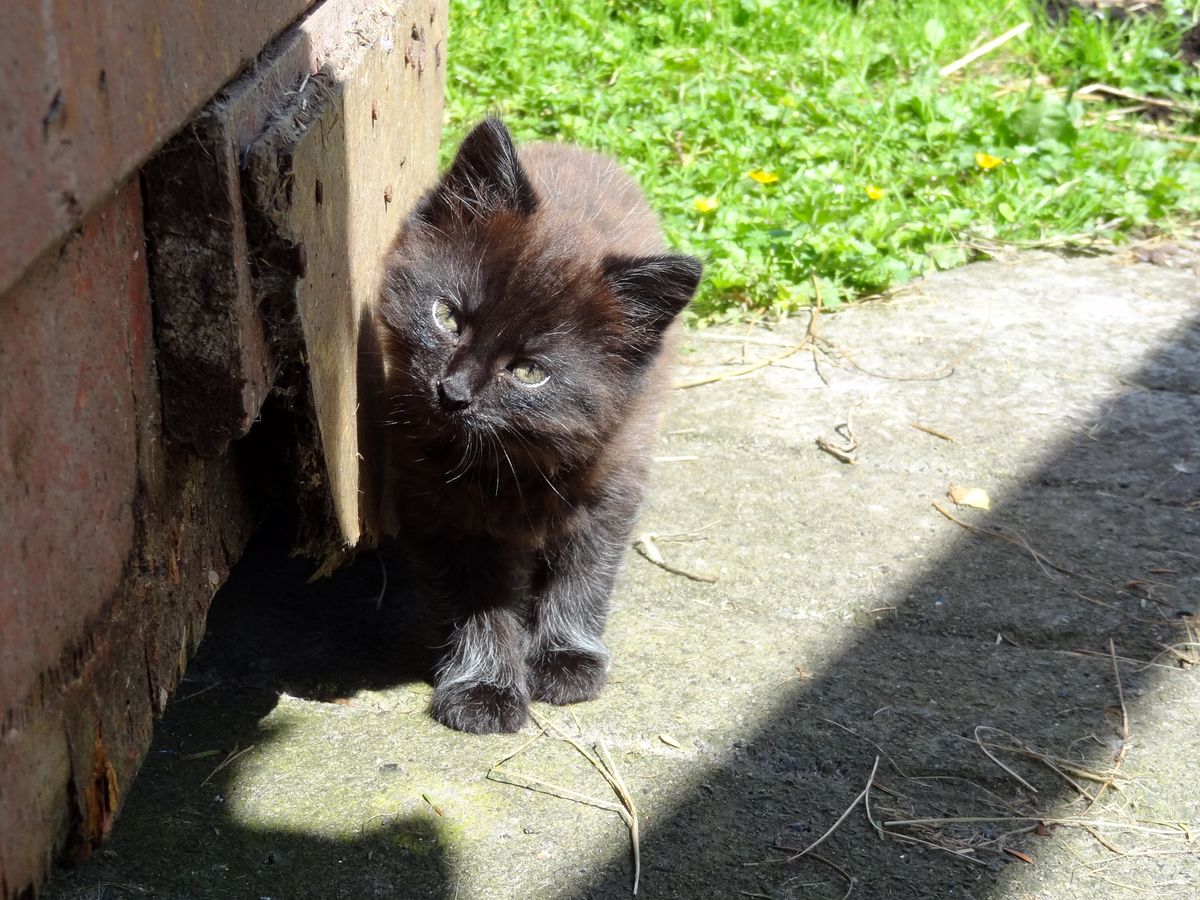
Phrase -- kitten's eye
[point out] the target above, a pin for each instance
(528, 372)
(445, 316)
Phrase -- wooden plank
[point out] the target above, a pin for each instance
(332, 179)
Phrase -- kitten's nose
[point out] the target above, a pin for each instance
(454, 393)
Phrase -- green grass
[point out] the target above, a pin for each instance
(874, 152)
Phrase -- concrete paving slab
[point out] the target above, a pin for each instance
(849, 621)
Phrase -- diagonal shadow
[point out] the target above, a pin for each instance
(985, 636)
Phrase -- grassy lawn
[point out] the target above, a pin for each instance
(782, 140)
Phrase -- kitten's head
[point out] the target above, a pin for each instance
(502, 321)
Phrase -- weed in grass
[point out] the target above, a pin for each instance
(784, 140)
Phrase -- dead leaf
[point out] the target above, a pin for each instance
(1023, 857)
(969, 496)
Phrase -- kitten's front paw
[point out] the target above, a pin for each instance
(562, 676)
(480, 708)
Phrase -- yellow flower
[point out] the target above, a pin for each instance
(875, 193)
(764, 177)
(987, 161)
(705, 204)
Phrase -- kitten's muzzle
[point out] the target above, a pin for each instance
(454, 393)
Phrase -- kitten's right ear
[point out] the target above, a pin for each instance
(485, 177)
(653, 289)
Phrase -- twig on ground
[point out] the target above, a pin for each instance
(829, 862)
(234, 754)
(824, 860)
(684, 537)
(933, 431)
(882, 752)
(744, 370)
(1090, 240)
(1148, 131)
(518, 779)
(943, 371)
(1057, 764)
(722, 338)
(845, 433)
(1120, 758)
(1052, 763)
(1144, 99)
(814, 340)
(525, 746)
(1188, 659)
(605, 766)
(1102, 840)
(627, 799)
(832, 828)
(811, 335)
(963, 61)
(1066, 821)
(1017, 541)
(1044, 562)
(1029, 787)
(1114, 608)
(645, 545)
(966, 853)
(1142, 664)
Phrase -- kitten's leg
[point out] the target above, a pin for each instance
(480, 683)
(565, 657)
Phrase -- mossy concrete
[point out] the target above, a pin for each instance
(849, 620)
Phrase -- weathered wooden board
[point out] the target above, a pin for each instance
(333, 176)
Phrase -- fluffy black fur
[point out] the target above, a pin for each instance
(527, 322)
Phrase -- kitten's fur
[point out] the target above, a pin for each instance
(515, 500)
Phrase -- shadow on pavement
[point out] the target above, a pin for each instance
(988, 636)
(270, 634)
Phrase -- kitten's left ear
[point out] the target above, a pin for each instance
(486, 175)
(654, 289)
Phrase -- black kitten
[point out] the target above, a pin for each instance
(527, 318)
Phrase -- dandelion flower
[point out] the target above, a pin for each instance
(875, 193)
(705, 204)
(764, 177)
(987, 161)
